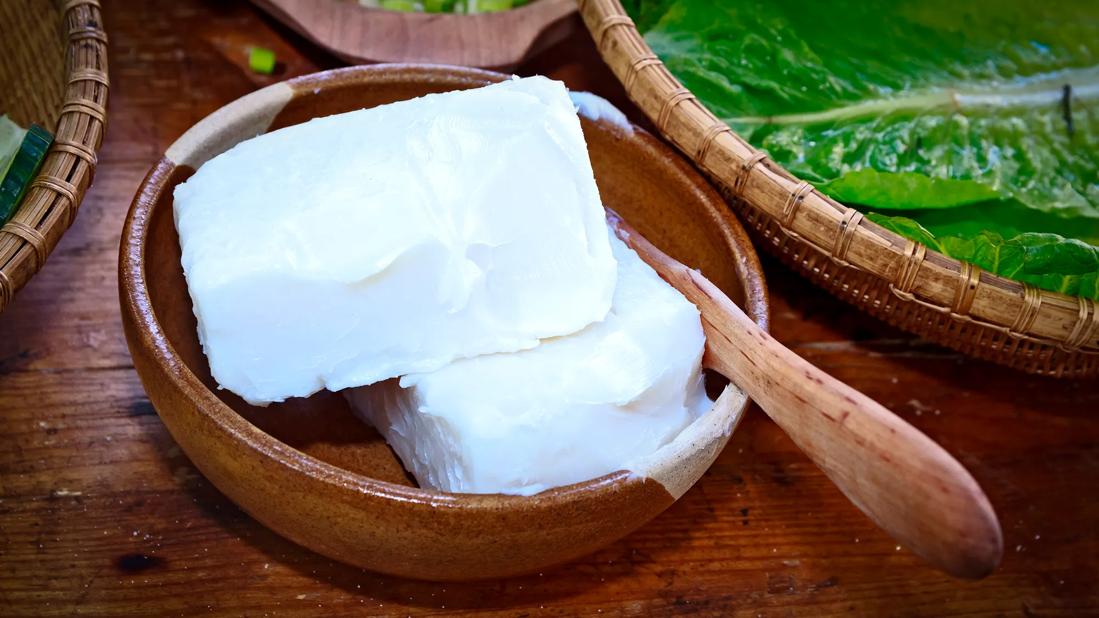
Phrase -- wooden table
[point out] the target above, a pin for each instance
(101, 514)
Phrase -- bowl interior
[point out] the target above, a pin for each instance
(637, 176)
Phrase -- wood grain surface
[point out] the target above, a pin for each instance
(100, 513)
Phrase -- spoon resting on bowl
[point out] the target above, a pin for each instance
(905, 482)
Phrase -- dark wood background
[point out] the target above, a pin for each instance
(101, 514)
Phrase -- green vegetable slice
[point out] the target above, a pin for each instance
(934, 111)
(261, 60)
(24, 166)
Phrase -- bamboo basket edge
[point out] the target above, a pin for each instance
(51, 203)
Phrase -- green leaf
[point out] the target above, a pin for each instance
(909, 228)
(976, 123)
(905, 190)
(966, 91)
(1049, 261)
(439, 6)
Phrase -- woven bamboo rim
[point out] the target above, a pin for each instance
(58, 73)
(947, 301)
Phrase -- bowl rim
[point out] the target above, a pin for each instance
(137, 304)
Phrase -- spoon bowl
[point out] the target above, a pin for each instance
(312, 472)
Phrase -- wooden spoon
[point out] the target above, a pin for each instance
(905, 482)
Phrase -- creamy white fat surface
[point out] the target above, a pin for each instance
(394, 240)
(573, 408)
(595, 108)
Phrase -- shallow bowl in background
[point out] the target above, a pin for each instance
(496, 40)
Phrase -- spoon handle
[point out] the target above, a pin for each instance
(905, 482)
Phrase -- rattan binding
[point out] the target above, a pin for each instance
(54, 73)
(902, 282)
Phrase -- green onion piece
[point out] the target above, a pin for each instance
(261, 60)
(11, 136)
(24, 166)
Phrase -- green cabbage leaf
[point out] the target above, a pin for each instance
(971, 126)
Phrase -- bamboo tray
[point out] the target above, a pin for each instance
(905, 283)
(54, 73)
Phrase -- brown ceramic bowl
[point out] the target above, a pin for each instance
(357, 34)
(312, 472)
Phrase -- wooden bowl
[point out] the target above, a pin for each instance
(358, 34)
(312, 472)
(53, 72)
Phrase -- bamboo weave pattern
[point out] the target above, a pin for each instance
(55, 74)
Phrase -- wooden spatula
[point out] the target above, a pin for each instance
(906, 483)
